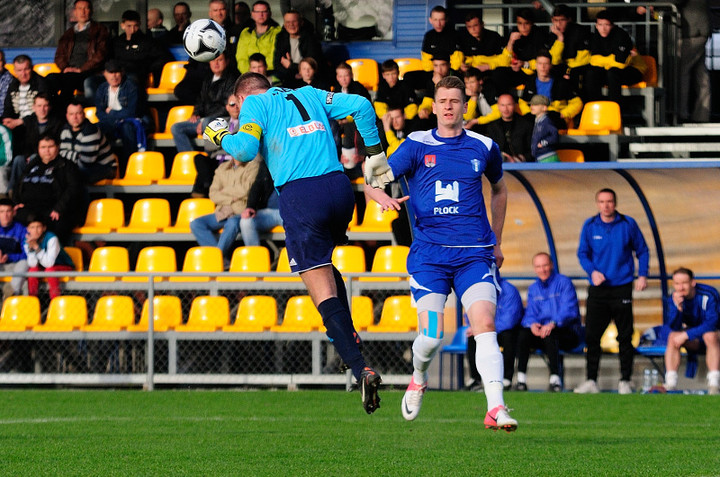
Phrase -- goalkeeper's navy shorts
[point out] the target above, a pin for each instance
(316, 212)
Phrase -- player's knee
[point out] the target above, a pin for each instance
(425, 347)
(432, 307)
(711, 339)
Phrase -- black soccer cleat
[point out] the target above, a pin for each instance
(369, 384)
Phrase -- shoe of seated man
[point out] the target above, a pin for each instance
(588, 387)
(520, 386)
(713, 389)
(412, 400)
(499, 418)
(625, 387)
(555, 388)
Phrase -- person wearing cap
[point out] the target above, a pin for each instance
(545, 134)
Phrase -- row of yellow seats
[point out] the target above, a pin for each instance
(148, 168)
(207, 314)
(248, 259)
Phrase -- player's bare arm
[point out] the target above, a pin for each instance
(385, 201)
(498, 208)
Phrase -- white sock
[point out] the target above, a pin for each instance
(489, 362)
(521, 377)
(424, 349)
(554, 379)
(713, 378)
(671, 379)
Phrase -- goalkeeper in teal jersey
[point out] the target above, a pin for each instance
(456, 246)
(291, 129)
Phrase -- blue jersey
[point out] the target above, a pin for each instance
(291, 129)
(699, 315)
(509, 312)
(445, 180)
(552, 300)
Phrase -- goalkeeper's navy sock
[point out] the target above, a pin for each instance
(341, 333)
(342, 296)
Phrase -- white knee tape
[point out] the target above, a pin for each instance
(432, 302)
(483, 291)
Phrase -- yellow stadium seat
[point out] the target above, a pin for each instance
(91, 114)
(598, 118)
(570, 155)
(167, 314)
(389, 259)
(20, 313)
(207, 313)
(256, 313)
(200, 259)
(107, 259)
(112, 313)
(349, 258)
(408, 64)
(172, 73)
(362, 312)
(66, 313)
(398, 316)
(375, 220)
(190, 209)
(278, 229)
(44, 69)
(365, 72)
(175, 115)
(10, 67)
(283, 266)
(301, 316)
(609, 343)
(103, 216)
(183, 170)
(248, 259)
(154, 259)
(143, 169)
(76, 256)
(148, 216)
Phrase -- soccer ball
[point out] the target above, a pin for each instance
(204, 40)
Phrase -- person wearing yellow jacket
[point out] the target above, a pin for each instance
(258, 39)
(441, 40)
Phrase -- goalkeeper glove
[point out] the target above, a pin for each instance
(377, 171)
(215, 131)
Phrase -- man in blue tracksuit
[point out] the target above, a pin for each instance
(607, 243)
(692, 316)
(551, 321)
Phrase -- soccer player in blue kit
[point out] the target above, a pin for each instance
(455, 245)
(291, 129)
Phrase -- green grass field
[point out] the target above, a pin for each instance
(319, 433)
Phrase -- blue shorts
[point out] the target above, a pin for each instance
(316, 212)
(437, 269)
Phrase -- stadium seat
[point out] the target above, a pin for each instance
(200, 259)
(207, 314)
(599, 118)
(248, 259)
(154, 259)
(91, 114)
(183, 170)
(112, 313)
(10, 66)
(175, 115)
(389, 259)
(398, 316)
(375, 219)
(44, 69)
(301, 316)
(349, 258)
(20, 313)
(103, 216)
(650, 76)
(75, 254)
(408, 64)
(154, 118)
(570, 155)
(190, 209)
(609, 343)
(143, 169)
(148, 216)
(66, 313)
(256, 313)
(167, 314)
(107, 259)
(283, 266)
(365, 72)
(172, 73)
(362, 312)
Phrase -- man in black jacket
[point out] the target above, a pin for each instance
(511, 132)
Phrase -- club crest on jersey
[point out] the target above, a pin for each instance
(429, 160)
(475, 164)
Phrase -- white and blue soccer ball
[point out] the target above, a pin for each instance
(204, 40)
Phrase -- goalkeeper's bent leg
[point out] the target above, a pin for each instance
(338, 322)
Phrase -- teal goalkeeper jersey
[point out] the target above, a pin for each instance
(291, 129)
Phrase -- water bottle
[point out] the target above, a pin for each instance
(655, 381)
(647, 381)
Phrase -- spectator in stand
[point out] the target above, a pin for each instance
(82, 143)
(440, 41)
(259, 65)
(80, 55)
(12, 255)
(309, 75)
(216, 88)
(5, 80)
(262, 213)
(544, 135)
(44, 251)
(570, 46)
(353, 149)
(121, 111)
(481, 97)
(692, 316)
(50, 189)
(241, 16)
(613, 61)
(396, 129)
(481, 48)
(258, 39)
(229, 191)
(181, 15)
(292, 44)
(511, 132)
(5, 156)
(155, 28)
(694, 75)
(551, 321)
(394, 93)
(441, 69)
